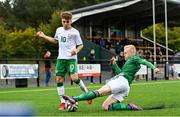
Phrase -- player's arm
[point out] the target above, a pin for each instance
(48, 38)
(149, 64)
(77, 50)
(115, 66)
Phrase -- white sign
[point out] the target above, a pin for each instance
(177, 68)
(17, 71)
(142, 70)
(89, 70)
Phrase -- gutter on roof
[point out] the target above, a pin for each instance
(175, 1)
(98, 6)
(100, 9)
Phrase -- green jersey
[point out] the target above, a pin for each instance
(132, 66)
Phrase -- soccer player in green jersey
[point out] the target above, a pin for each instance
(118, 87)
(70, 43)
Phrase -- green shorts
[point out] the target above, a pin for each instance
(63, 66)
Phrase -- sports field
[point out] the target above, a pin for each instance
(158, 98)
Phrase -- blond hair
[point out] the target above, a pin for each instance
(131, 47)
(66, 15)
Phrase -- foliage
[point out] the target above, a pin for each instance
(20, 43)
(55, 21)
(173, 35)
(3, 12)
(24, 13)
(174, 38)
(3, 35)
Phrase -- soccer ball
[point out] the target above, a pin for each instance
(71, 107)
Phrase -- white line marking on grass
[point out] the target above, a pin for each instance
(154, 83)
(37, 90)
(27, 91)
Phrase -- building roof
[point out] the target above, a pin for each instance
(139, 11)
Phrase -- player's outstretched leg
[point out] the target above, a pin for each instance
(81, 84)
(85, 96)
(83, 88)
(70, 99)
(134, 107)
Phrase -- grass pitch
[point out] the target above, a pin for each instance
(158, 98)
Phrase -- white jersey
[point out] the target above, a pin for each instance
(67, 40)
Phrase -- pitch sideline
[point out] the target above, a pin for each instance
(37, 90)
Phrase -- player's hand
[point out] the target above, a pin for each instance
(74, 52)
(156, 70)
(40, 34)
(113, 60)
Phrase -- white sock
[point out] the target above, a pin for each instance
(82, 86)
(61, 91)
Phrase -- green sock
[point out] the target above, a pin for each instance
(77, 81)
(87, 96)
(119, 106)
(59, 84)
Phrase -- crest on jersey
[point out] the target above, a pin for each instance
(71, 36)
(71, 67)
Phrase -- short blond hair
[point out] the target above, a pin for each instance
(131, 47)
(66, 15)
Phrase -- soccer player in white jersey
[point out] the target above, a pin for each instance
(70, 44)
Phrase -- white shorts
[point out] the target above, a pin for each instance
(119, 87)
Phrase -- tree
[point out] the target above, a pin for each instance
(3, 35)
(174, 38)
(173, 35)
(55, 21)
(25, 13)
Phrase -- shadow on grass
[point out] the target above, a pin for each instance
(160, 106)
